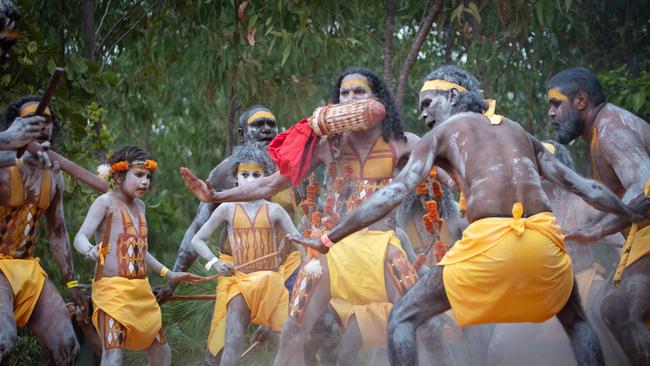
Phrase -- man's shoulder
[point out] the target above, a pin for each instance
(619, 116)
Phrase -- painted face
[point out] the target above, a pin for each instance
(136, 182)
(435, 107)
(47, 126)
(354, 87)
(248, 172)
(564, 119)
(260, 130)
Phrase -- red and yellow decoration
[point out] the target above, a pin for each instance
(430, 191)
(122, 166)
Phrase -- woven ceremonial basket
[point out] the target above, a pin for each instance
(334, 119)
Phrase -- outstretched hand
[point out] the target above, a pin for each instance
(202, 189)
(184, 277)
(582, 234)
(309, 243)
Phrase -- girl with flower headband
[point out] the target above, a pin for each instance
(126, 314)
(255, 293)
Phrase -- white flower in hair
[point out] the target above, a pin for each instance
(104, 171)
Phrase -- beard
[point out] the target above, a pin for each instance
(567, 130)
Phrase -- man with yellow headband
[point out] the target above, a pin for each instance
(28, 299)
(511, 265)
(618, 145)
(511, 341)
(371, 267)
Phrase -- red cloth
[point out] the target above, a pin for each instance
(292, 150)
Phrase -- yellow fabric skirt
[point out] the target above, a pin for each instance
(356, 266)
(264, 293)
(357, 282)
(372, 319)
(131, 303)
(508, 270)
(26, 278)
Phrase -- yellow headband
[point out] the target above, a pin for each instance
(556, 94)
(442, 85)
(250, 167)
(260, 114)
(30, 108)
(549, 147)
(350, 83)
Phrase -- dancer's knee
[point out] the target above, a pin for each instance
(292, 336)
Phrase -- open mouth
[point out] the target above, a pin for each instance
(431, 123)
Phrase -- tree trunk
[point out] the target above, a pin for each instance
(420, 37)
(233, 107)
(388, 44)
(88, 14)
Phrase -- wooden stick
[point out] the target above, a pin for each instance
(247, 264)
(249, 348)
(73, 169)
(192, 297)
(257, 260)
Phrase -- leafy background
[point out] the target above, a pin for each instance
(173, 76)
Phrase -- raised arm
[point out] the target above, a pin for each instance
(261, 188)
(591, 191)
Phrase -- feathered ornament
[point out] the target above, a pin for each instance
(104, 172)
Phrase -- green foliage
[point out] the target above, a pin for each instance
(628, 91)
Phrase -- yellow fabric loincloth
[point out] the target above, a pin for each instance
(372, 319)
(26, 278)
(640, 245)
(357, 282)
(508, 270)
(131, 303)
(264, 293)
(356, 266)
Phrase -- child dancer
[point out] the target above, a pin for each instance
(126, 314)
(254, 293)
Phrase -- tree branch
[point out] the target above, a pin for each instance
(129, 31)
(101, 22)
(119, 21)
(354, 25)
(420, 37)
(233, 107)
(388, 44)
